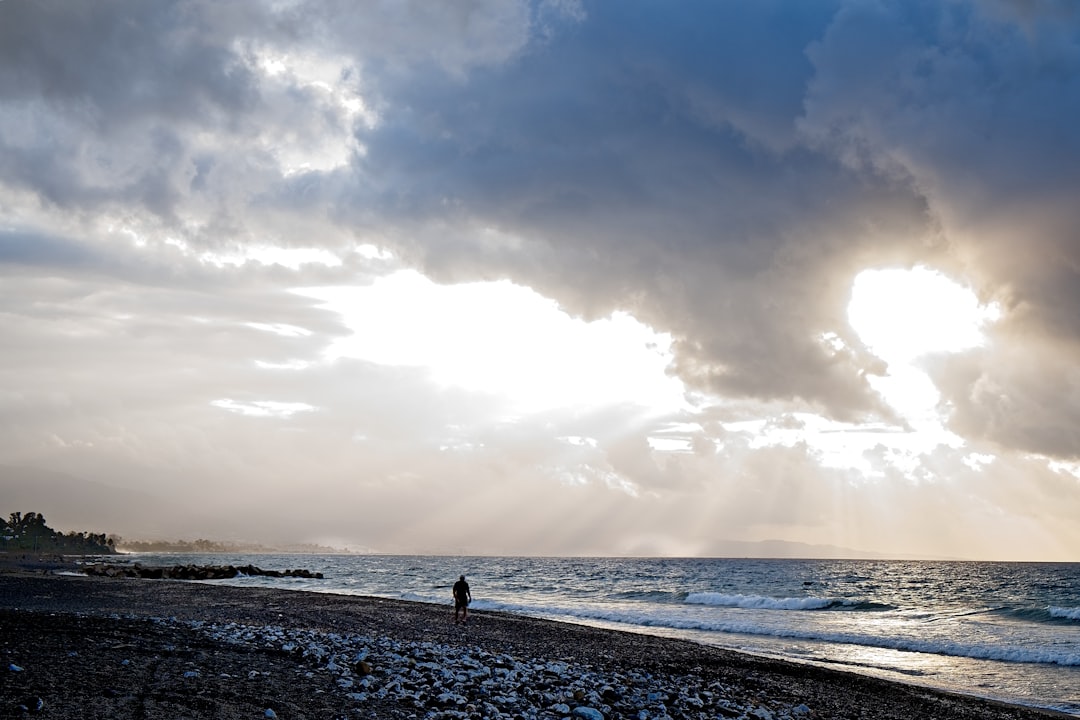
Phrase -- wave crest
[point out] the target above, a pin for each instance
(1072, 613)
(758, 602)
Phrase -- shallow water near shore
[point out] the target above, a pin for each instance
(1008, 631)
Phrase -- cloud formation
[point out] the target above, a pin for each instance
(176, 177)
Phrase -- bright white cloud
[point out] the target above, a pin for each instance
(292, 258)
(263, 408)
(506, 340)
(327, 81)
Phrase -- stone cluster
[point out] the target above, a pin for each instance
(461, 683)
(191, 572)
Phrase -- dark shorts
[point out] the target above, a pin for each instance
(461, 604)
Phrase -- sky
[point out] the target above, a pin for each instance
(545, 277)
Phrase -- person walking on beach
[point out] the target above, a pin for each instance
(462, 598)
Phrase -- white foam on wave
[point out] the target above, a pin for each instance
(757, 602)
(1072, 613)
(977, 651)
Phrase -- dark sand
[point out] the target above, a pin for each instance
(90, 648)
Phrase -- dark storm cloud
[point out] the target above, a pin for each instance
(115, 60)
(724, 172)
(652, 160)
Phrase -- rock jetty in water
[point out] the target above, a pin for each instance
(192, 572)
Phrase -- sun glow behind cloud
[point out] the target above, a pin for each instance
(506, 340)
(901, 316)
(905, 315)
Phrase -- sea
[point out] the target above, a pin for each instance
(1006, 631)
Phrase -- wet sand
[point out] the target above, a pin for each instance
(79, 647)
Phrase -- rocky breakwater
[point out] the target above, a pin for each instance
(191, 572)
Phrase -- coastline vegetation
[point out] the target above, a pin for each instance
(29, 532)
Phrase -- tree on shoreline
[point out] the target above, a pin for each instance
(30, 532)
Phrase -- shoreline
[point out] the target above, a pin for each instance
(53, 627)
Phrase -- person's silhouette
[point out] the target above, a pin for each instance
(462, 598)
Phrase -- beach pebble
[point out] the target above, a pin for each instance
(693, 702)
(453, 682)
(269, 713)
(451, 699)
(14, 668)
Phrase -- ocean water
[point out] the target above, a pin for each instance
(1008, 631)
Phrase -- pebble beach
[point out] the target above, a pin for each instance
(94, 647)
